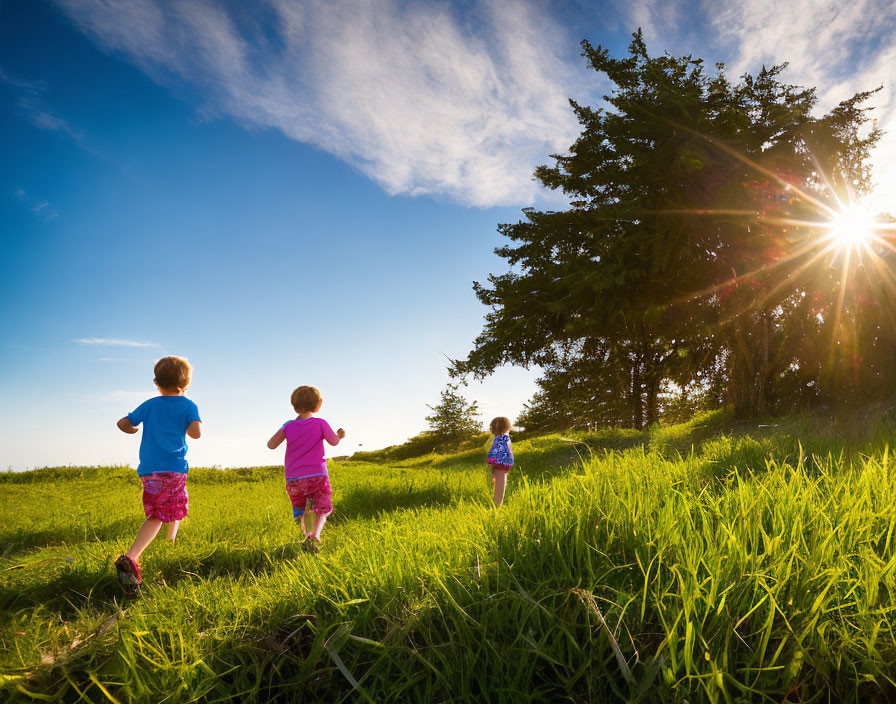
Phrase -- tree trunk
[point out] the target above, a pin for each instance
(762, 371)
(637, 399)
(652, 393)
(742, 374)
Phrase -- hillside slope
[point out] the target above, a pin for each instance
(705, 562)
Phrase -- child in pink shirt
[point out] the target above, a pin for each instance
(305, 466)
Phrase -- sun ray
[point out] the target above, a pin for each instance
(755, 272)
(883, 243)
(838, 311)
(838, 222)
(793, 276)
(703, 211)
(819, 169)
(719, 144)
(887, 275)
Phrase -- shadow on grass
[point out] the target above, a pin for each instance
(66, 589)
(370, 501)
(71, 589)
(547, 459)
(422, 652)
(68, 593)
(25, 541)
(552, 460)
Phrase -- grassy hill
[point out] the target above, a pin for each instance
(711, 561)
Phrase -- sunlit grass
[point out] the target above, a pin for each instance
(712, 561)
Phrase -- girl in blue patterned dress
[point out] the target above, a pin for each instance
(500, 457)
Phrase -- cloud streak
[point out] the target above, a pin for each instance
(113, 342)
(43, 118)
(32, 107)
(839, 47)
(419, 97)
(40, 207)
(842, 48)
(18, 82)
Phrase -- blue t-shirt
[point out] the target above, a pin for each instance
(163, 447)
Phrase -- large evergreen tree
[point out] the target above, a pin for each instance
(681, 262)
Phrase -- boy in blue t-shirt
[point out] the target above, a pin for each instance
(167, 419)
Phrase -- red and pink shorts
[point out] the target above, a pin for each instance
(316, 488)
(499, 467)
(165, 496)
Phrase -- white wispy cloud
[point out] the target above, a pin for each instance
(421, 97)
(32, 107)
(824, 40)
(839, 47)
(39, 115)
(40, 207)
(113, 342)
(18, 82)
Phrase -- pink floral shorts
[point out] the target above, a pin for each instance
(315, 488)
(496, 467)
(165, 496)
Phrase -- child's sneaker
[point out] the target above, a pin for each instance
(311, 544)
(128, 575)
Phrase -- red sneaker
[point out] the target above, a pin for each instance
(128, 575)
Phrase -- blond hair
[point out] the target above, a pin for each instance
(499, 425)
(173, 373)
(306, 398)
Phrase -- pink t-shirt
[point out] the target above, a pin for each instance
(305, 447)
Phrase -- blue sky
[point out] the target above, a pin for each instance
(297, 192)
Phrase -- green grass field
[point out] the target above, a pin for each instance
(710, 561)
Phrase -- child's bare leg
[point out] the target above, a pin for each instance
(500, 478)
(147, 532)
(316, 522)
(307, 508)
(319, 524)
(172, 530)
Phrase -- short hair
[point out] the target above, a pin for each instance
(173, 373)
(499, 425)
(305, 398)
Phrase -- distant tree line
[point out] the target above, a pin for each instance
(693, 267)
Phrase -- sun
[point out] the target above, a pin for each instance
(853, 227)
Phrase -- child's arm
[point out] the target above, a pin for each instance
(193, 429)
(125, 426)
(276, 439)
(330, 436)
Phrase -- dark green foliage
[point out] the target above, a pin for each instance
(676, 277)
(420, 445)
(453, 419)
